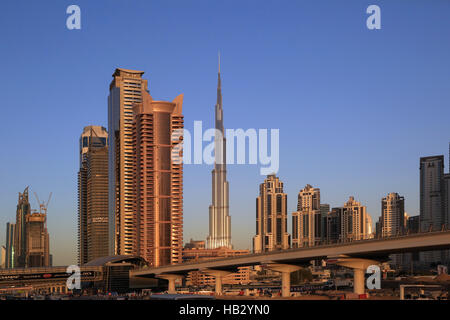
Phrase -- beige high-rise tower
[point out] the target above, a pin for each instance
(307, 220)
(271, 217)
(126, 89)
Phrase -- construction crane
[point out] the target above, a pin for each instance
(43, 206)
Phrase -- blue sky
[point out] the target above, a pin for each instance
(356, 108)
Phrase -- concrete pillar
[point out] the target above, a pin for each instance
(171, 278)
(358, 281)
(218, 277)
(359, 267)
(286, 270)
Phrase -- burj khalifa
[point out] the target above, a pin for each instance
(219, 219)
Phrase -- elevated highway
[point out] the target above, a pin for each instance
(356, 255)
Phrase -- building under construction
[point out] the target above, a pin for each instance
(31, 240)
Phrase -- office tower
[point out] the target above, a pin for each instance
(97, 203)
(446, 218)
(354, 221)
(271, 217)
(432, 194)
(392, 215)
(10, 238)
(23, 209)
(93, 204)
(413, 224)
(126, 89)
(2, 257)
(432, 201)
(37, 240)
(219, 219)
(333, 225)
(324, 210)
(307, 220)
(157, 187)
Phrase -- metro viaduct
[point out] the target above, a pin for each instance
(357, 255)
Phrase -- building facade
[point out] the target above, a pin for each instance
(307, 220)
(219, 218)
(20, 241)
(157, 187)
(37, 240)
(432, 201)
(93, 194)
(193, 252)
(271, 217)
(10, 238)
(355, 223)
(392, 215)
(332, 232)
(126, 89)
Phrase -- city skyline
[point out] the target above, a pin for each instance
(360, 164)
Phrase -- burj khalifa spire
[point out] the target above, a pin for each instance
(219, 218)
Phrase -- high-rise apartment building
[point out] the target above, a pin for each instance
(20, 248)
(10, 239)
(126, 89)
(157, 189)
(219, 218)
(355, 224)
(93, 194)
(307, 220)
(271, 217)
(392, 215)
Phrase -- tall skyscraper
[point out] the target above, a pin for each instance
(126, 89)
(271, 217)
(20, 248)
(93, 194)
(10, 238)
(432, 193)
(219, 218)
(307, 220)
(432, 201)
(157, 180)
(392, 215)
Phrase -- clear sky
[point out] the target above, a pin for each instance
(356, 108)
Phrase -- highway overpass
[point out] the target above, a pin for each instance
(357, 255)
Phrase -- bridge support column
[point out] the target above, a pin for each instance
(218, 277)
(359, 267)
(286, 270)
(171, 278)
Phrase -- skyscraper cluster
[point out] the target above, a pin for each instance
(312, 224)
(130, 190)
